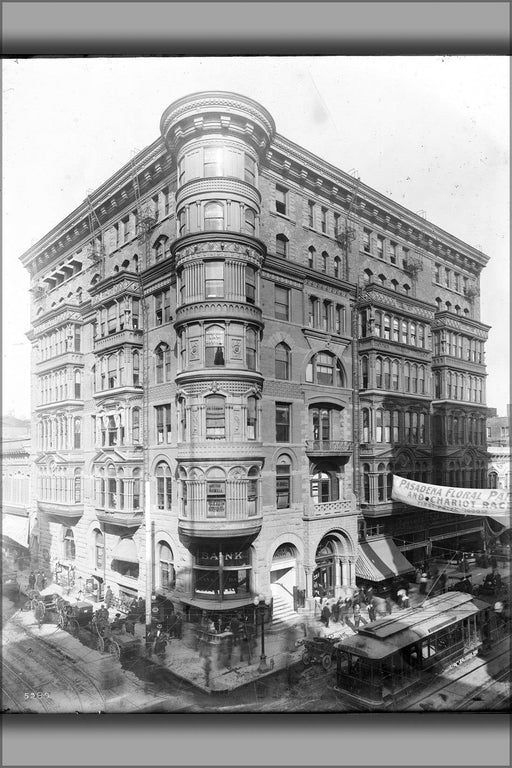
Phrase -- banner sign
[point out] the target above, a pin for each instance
(483, 502)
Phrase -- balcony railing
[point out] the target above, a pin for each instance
(329, 508)
(128, 518)
(58, 509)
(329, 447)
(126, 336)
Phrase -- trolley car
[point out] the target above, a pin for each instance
(380, 665)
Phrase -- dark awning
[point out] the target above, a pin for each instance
(381, 559)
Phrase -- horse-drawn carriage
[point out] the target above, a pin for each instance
(319, 650)
(96, 631)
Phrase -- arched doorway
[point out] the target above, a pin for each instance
(331, 572)
(283, 581)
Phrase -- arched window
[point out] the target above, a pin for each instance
(214, 346)
(136, 489)
(163, 486)
(213, 216)
(78, 385)
(394, 375)
(382, 279)
(337, 266)
(215, 417)
(365, 414)
(324, 486)
(378, 425)
(311, 257)
(325, 260)
(386, 369)
(378, 373)
(98, 550)
(77, 433)
(282, 246)
(407, 377)
(313, 311)
(325, 368)
(167, 577)
(69, 544)
(250, 349)
(381, 483)
(283, 482)
(162, 363)
(136, 425)
(367, 275)
(136, 370)
(282, 361)
(407, 288)
(414, 377)
(394, 285)
(160, 247)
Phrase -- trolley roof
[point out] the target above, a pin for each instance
(388, 635)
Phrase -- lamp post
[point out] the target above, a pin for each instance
(261, 606)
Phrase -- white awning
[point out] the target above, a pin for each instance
(126, 551)
(381, 559)
(16, 528)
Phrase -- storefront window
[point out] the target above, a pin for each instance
(221, 573)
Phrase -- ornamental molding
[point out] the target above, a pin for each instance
(281, 280)
(459, 324)
(66, 316)
(107, 293)
(330, 289)
(217, 246)
(220, 186)
(410, 308)
(231, 311)
(220, 450)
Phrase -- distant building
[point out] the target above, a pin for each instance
(17, 535)
(498, 439)
(235, 347)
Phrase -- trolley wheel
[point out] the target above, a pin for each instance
(100, 644)
(306, 659)
(327, 661)
(114, 650)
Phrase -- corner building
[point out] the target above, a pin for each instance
(265, 341)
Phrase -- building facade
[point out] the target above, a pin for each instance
(235, 346)
(19, 532)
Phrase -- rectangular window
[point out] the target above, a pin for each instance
(162, 307)
(311, 214)
(366, 240)
(392, 253)
(324, 220)
(250, 284)
(337, 229)
(156, 207)
(283, 422)
(456, 278)
(165, 193)
(281, 199)
(215, 418)
(447, 277)
(250, 170)
(125, 229)
(163, 424)
(437, 273)
(214, 279)
(380, 247)
(281, 303)
(212, 161)
(216, 498)
(283, 486)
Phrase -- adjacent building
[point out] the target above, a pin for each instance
(235, 346)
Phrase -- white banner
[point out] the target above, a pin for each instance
(483, 502)
(15, 528)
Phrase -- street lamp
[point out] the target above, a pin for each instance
(261, 606)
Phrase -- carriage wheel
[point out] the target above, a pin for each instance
(73, 627)
(61, 623)
(114, 650)
(100, 644)
(306, 659)
(327, 661)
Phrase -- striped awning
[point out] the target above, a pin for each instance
(126, 551)
(16, 528)
(381, 559)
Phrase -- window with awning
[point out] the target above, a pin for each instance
(381, 559)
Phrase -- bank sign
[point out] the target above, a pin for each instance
(462, 501)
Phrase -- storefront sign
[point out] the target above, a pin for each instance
(230, 558)
(462, 501)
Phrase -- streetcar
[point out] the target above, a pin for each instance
(379, 666)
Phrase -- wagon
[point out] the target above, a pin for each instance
(72, 617)
(10, 586)
(121, 645)
(319, 650)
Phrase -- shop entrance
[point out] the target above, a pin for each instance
(283, 578)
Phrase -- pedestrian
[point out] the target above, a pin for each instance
(178, 626)
(326, 615)
(31, 580)
(235, 627)
(371, 612)
(109, 597)
(336, 611)
(129, 627)
(498, 610)
(357, 615)
(401, 596)
(389, 606)
(44, 581)
(39, 581)
(423, 583)
(369, 594)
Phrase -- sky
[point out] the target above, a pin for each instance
(430, 132)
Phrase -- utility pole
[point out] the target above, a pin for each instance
(144, 225)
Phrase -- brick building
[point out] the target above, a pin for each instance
(235, 346)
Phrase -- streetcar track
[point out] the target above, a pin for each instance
(26, 685)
